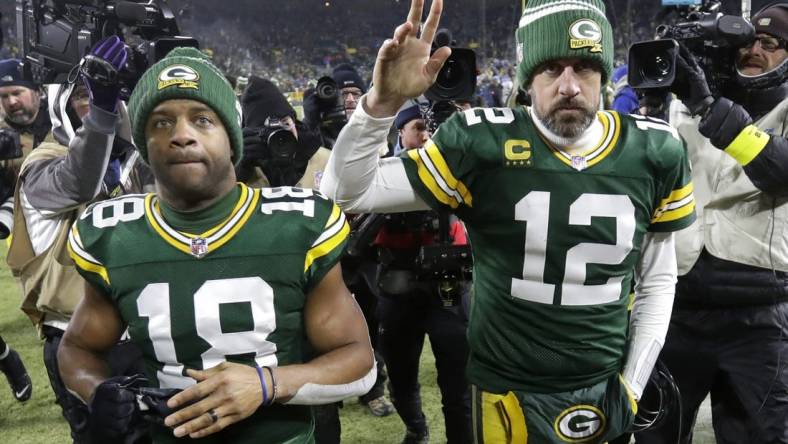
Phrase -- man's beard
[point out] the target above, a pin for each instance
(568, 125)
(24, 118)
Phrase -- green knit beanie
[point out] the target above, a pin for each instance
(554, 29)
(185, 73)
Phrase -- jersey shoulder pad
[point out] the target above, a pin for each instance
(663, 146)
(479, 133)
(99, 222)
(102, 217)
(98, 230)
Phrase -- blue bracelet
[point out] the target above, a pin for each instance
(262, 384)
(273, 385)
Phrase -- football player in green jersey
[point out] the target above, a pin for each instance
(567, 208)
(234, 294)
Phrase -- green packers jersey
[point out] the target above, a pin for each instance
(235, 292)
(555, 238)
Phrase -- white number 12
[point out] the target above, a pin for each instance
(534, 209)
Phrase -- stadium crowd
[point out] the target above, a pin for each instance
(653, 273)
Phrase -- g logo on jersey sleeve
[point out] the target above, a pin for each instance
(580, 423)
(585, 33)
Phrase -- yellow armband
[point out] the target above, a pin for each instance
(747, 144)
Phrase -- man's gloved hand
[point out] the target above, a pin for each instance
(690, 85)
(255, 148)
(114, 411)
(653, 102)
(100, 69)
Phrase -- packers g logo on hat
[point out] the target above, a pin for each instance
(580, 423)
(181, 75)
(585, 33)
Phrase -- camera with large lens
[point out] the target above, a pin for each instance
(10, 144)
(330, 109)
(54, 35)
(280, 140)
(455, 81)
(457, 78)
(712, 38)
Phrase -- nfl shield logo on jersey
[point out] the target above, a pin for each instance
(199, 247)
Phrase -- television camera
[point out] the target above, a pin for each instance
(711, 36)
(455, 81)
(54, 35)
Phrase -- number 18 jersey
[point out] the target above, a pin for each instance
(555, 237)
(235, 292)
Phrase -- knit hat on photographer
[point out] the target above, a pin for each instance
(10, 75)
(261, 100)
(772, 20)
(347, 76)
(185, 73)
(554, 29)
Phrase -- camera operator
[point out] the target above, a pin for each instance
(412, 305)
(91, 160)
(351, 86)
(25, 125)
(728, 333)
(329, 105)
(278, 149)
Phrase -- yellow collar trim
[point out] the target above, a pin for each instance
(212, 238)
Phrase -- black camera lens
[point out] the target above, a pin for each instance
(657, 67)
(282, 145)
(451, 75)
(326, 90)
(652, 64)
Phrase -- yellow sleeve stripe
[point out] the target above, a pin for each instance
(667, 215)
(335, 213)
(677, 195)
(327, 246)
(748, 144)
(82, 258)
(680, 203)
(434, 172)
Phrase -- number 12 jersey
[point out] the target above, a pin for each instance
(555, 237)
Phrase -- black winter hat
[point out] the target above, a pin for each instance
(347, 76)
(10, 75)
(262, 100)
(772, 20)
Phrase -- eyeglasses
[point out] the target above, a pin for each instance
(769, 44)
(356, 94)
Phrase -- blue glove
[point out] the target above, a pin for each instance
(99, 71)
(690, 85)
(114, 411)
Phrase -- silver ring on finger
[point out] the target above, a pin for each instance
(213, 415)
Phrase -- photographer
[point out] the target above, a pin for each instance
(413, 305)
(91, 160)
(330, 104)
(278, 149)
(25, 125)
(728, 329)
